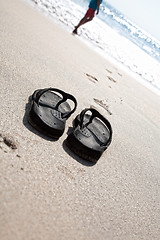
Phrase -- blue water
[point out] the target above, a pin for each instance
(128, 29)
(112, 33)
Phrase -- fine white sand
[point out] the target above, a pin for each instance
(47, 192)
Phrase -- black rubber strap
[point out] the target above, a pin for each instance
(65, 97)
(95, 113)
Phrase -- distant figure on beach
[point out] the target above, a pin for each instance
(93, 6)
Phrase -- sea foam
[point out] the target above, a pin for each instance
(112, 35)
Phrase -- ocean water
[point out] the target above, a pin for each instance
(112, 34)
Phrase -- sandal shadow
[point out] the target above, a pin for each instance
(73, 155)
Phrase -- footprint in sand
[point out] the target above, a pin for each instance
(111, 79)
(8, 144)
(120, 74)
(9, 141)
(103, 104)
(91, 78)
(108, 71)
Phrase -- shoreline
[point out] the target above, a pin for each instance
(47, 192)
(138, 76)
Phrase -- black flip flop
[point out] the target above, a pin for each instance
(91, 135)
(49, 111)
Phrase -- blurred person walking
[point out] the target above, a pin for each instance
(93, 7)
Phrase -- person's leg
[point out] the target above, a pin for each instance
(88, 17)
(82, 21)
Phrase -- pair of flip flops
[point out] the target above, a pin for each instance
(49, 110)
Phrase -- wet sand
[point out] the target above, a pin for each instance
(46, 191)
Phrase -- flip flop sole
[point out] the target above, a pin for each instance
(81, 150)
(42, 117)
(96, 127)
(90, 136)
(34, 120)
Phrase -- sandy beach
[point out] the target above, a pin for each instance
(46, 191)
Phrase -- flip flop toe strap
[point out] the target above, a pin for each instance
(95, 113)
(65, 97)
